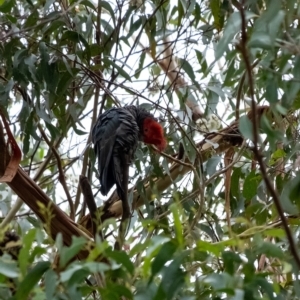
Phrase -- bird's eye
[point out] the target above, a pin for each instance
(146, 129)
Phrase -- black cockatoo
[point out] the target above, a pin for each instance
(115, 136)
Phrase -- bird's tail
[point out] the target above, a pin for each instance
(121, 170)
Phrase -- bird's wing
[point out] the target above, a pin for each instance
(104, 137)
(127, 136)
(115, 133)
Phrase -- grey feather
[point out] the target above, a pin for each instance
(117, 132)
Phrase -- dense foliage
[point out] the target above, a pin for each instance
(216, 215)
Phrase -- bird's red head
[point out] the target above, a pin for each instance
(153, 133)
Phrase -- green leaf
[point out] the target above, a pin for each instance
(231, 73)
(165, 254)
(107, 7)
(232, 261)
(260, 40)
(7, 6)
(9, 268)
(232, 27)
(189, 150)
(275, 232)
(180, 12)
(165, 166)
(96, 267)
(54, 131)
(217, 89)
(215, 7)
(141, 65)
(272, 134)
(219, 282)
(212, 102)
(189, 7)
(30, 61)
(51, 280)
(207, 229)
(34, 221)
(4, 93)
(67, 253)
(270, 20)
(239, 294)
(32, 278)
(177, 224)
(28, 129)
(146, 291)
(122, 258)
(271, 250)
(271, 90)
(289, 196)
(71, 269)
(235, 182)
(277, 155)
(11, 18)
(64, 83)
(47, 70)
(216, 249)
(296, 70)
(79, 132)
(76, 37)
(95, 49)
(265, 286)
(152, 251)
(251, 184)
(53, 26)
(78, 277)
(90, 4)
(24, 256)
(119, 69)
(32, 19)
(212, 164)
(173, 277)
(185, 65)
(115, 291)
(19, 57)
(246, 127)
(202, 61)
